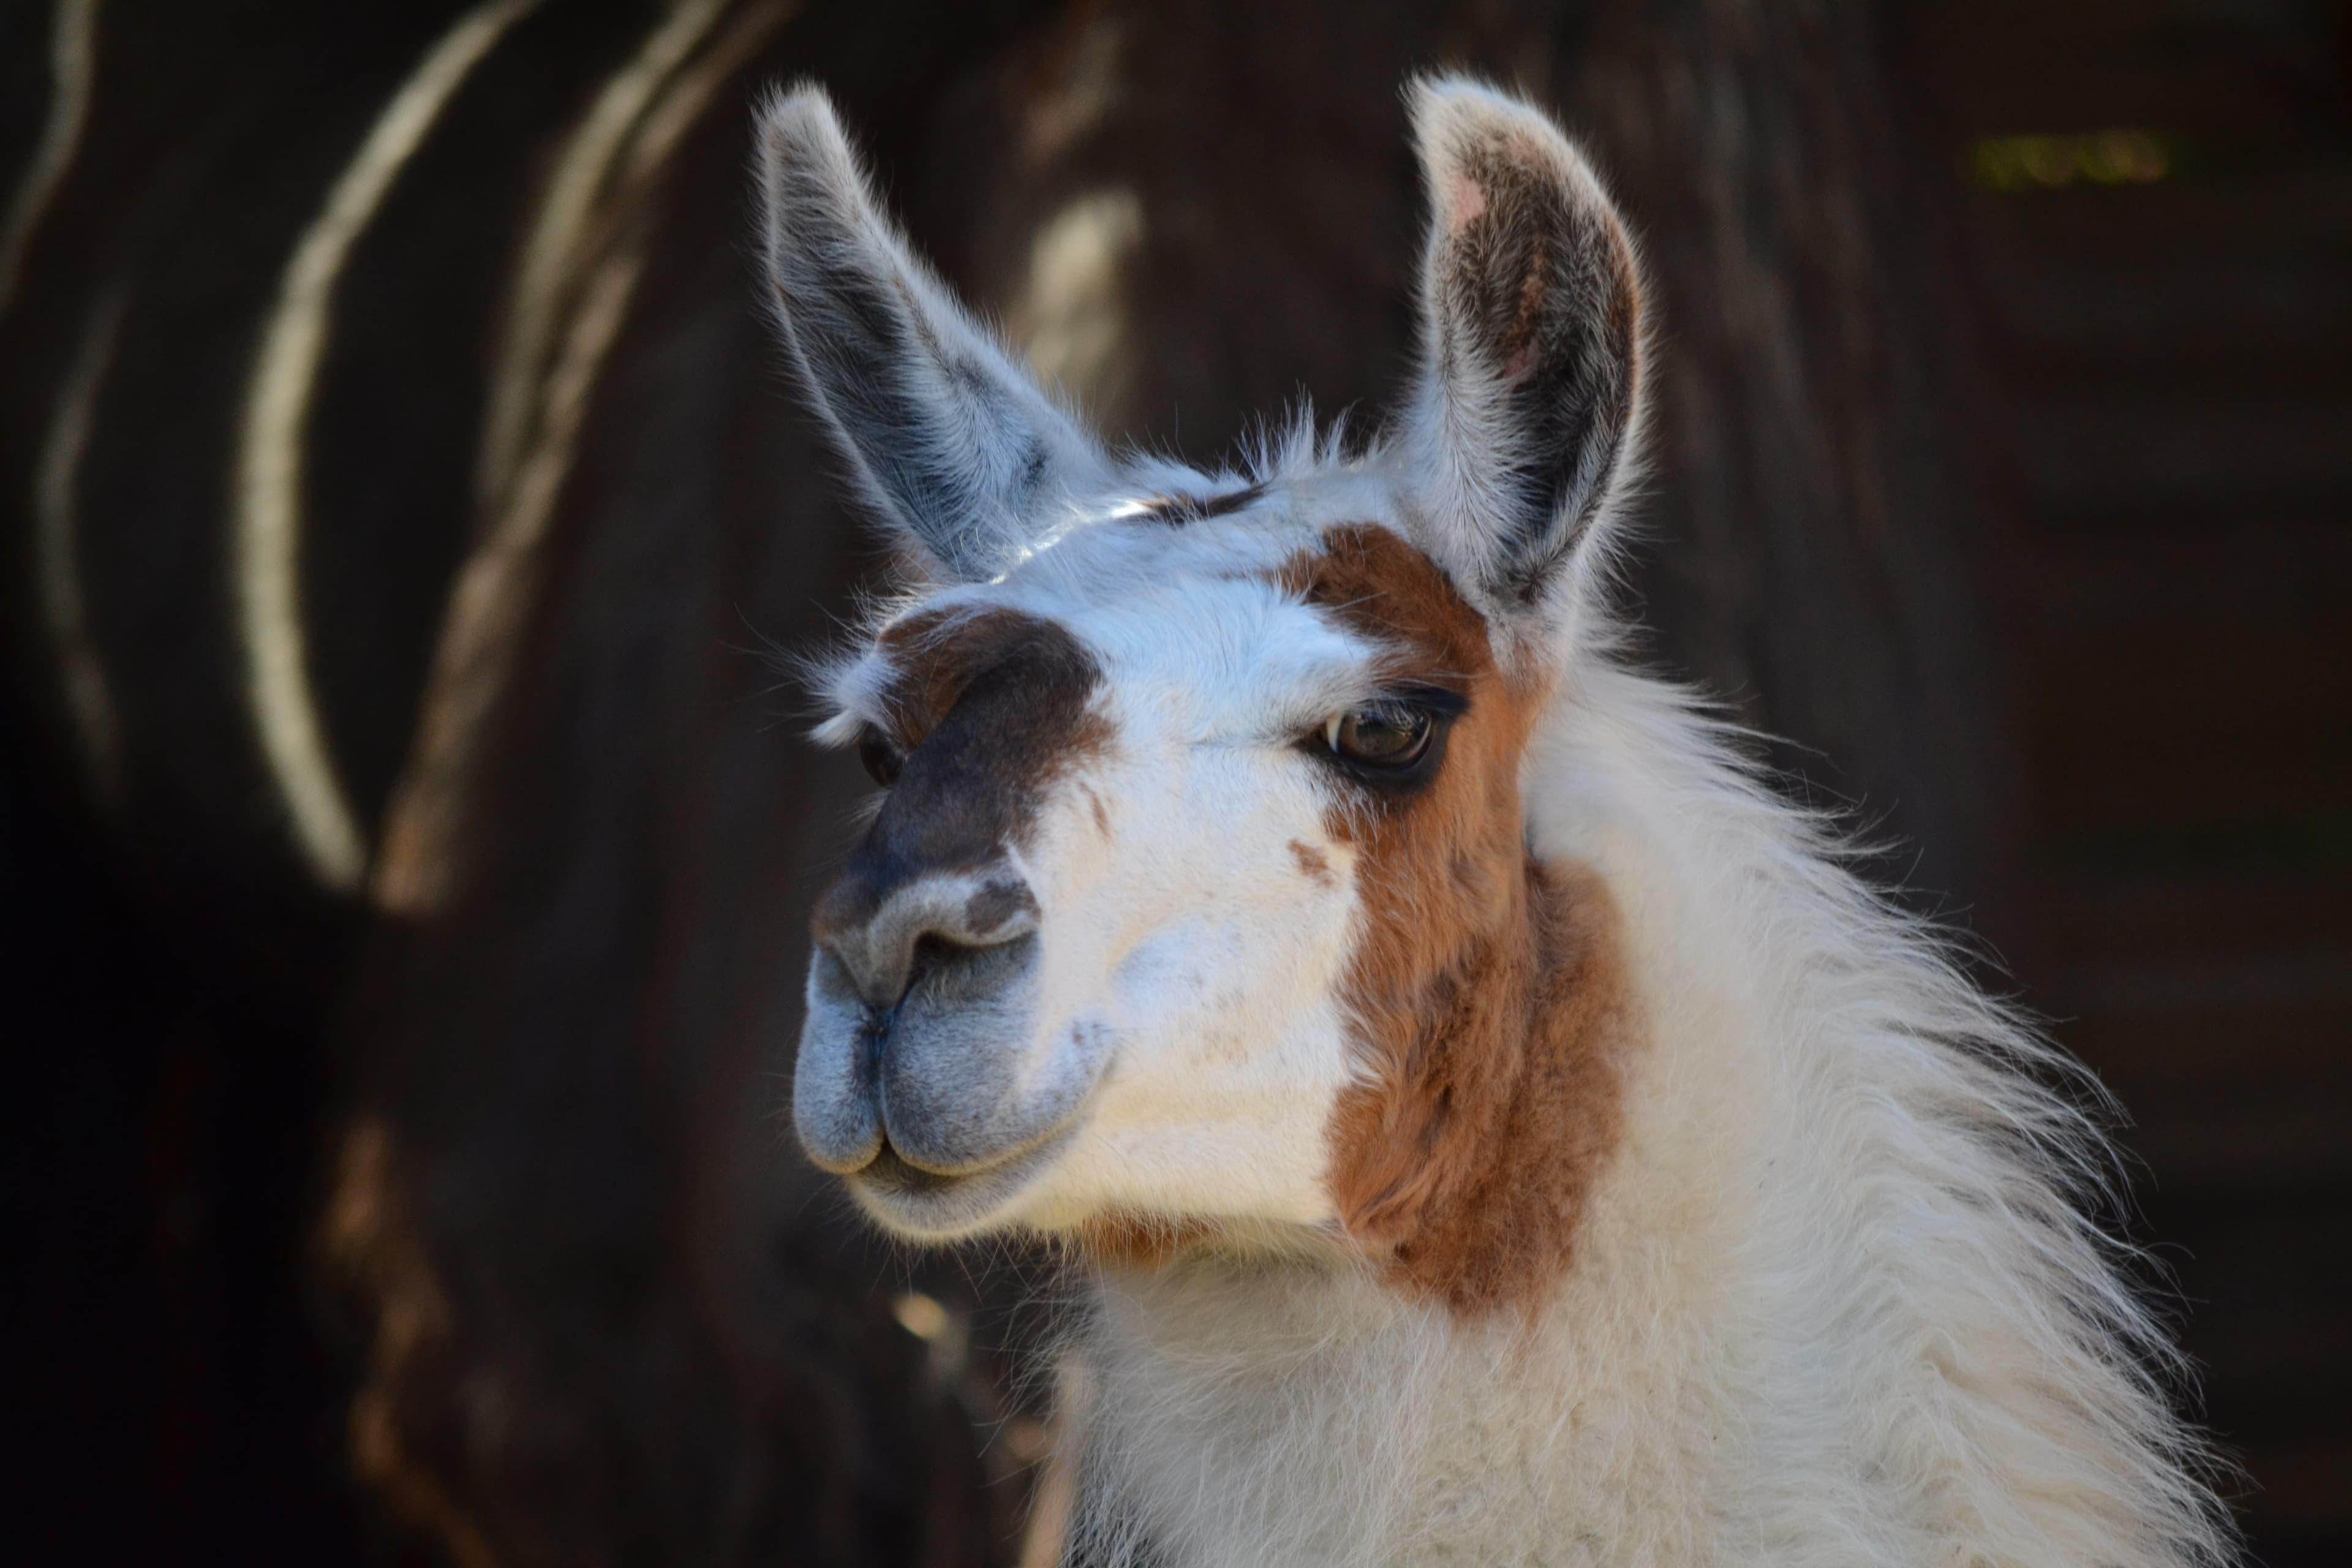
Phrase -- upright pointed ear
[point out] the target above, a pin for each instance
(955, 448)
(1524, 416)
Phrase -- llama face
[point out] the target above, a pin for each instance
(1089, 956)
(1201, 820)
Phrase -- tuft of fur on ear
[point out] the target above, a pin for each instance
(950, 443)
(1525, 414)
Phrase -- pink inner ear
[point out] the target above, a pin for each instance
(1465, 198)
(1532, 299)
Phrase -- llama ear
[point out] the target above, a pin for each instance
(953, 445)
(1524, 415)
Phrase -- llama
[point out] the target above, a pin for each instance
(1503, 1130)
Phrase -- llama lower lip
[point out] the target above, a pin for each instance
(923, 1204)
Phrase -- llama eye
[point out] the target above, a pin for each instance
(1383, 735)
(881, 760)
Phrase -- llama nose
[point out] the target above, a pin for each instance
(948, 933)
(922, 1001)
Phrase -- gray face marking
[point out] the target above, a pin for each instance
(988, 909)
(927, 954)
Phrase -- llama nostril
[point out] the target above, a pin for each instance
(932, 952)
(944, 937)
(945, 973)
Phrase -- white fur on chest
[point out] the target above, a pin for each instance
(1270, 1416)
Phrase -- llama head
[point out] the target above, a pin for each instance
(1198, 894)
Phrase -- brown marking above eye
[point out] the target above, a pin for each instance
(935, 653)
(986, 709)
(1372, 582)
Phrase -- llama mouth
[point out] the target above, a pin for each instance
(929, 1205)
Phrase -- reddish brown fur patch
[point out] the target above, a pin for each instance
(1377, 584)
(1044, 728)
(1311, 863)
(934, 655)
(1124, 1239)
(1488, 993)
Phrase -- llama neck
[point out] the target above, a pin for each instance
(1304, 1410)
(1339, 1407)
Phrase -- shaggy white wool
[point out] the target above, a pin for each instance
(1836, 1301)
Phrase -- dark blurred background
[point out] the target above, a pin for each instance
(404, 847)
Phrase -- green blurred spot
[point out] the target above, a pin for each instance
(2124, 155)
(2289, 845)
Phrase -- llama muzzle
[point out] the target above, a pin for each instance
(919, 1063)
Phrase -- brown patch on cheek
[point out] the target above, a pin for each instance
(1312, 864)
(1488, 994)
(1371, 581)
(1498, 1095)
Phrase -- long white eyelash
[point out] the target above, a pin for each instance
(840, 730)
(853, 686)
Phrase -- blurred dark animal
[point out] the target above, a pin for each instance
(399, 492)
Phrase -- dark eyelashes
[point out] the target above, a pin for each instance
(1437, 702)
(1392, 744)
